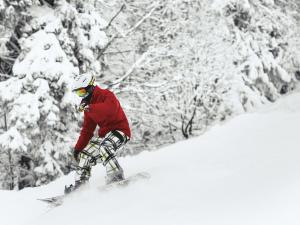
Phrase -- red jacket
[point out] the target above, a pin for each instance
(104, 110)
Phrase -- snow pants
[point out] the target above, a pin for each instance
(102, 151)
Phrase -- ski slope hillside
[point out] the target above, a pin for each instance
(243, 172)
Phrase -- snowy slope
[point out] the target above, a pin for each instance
(245, 171)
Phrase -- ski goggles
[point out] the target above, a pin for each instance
(82, 92)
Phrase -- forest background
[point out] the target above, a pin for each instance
(178, 67)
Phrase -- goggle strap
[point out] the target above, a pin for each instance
(92, 81)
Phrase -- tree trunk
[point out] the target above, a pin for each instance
(5, 122)
(11, 171)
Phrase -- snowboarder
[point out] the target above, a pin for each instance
(102, 108)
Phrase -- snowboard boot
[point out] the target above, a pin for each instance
(83, 177)
(114, 177)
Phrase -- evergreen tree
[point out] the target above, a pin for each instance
(55, 45)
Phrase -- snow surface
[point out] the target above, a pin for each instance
(245, 171)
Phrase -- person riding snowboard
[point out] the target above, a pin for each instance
(102, 108)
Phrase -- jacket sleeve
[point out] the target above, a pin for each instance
(100, 112)
(86, 133)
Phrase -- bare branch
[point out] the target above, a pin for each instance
(115, 16)
(4, 75)
(132, 29)
(119, 52)
(14, 45)
(7, 58)
(107, 45)
(140, 22)
(187, 128)
(155, 85)
(131, 69)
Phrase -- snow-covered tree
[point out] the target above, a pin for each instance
(13, 18)
(261, 32)
(194, 63)
(55, 45)
(15, 171)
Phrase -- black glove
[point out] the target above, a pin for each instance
(83, 107)
(76, 155)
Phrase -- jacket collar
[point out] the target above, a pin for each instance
(96, 92)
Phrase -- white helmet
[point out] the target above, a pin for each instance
(82, 81)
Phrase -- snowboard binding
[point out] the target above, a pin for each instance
(115, 177)
(85, 174)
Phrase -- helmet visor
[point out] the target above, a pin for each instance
(82, 92)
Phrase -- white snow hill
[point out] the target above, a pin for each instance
(243, 172)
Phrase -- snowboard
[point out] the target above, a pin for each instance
(58, 200)
(131, 179)
(53, 201)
